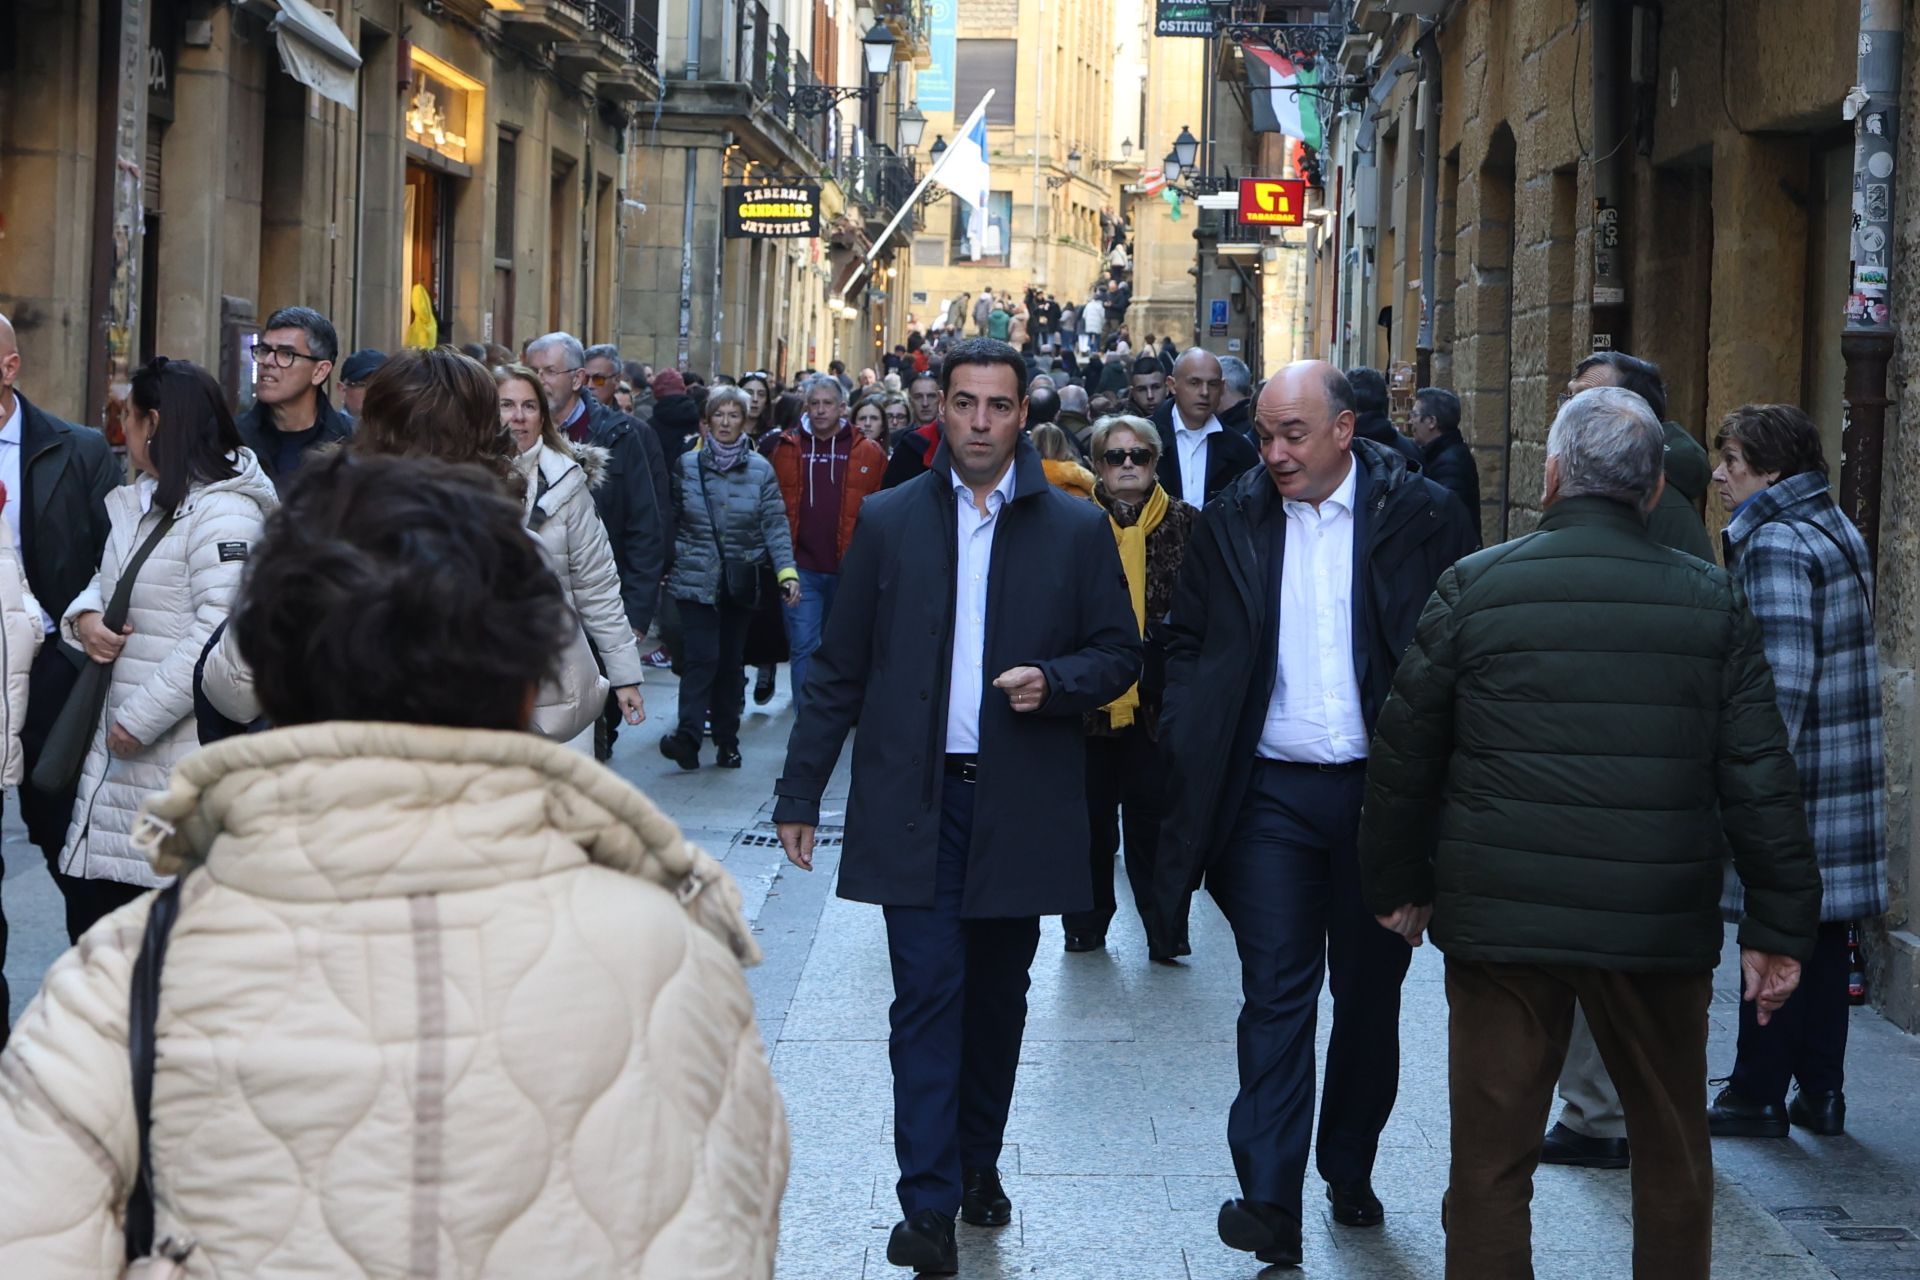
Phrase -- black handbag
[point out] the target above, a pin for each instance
(65, 751)
(739, 583)
(143, 1009)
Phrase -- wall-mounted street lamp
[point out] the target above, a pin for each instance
(913, 127)
(1073, 171)
(877, 49)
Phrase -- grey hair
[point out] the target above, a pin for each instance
(1148, 434)
(1238, 377)
(728, 395)
(823, 381)
(1609, 444)
(565, 341)
(322, 342)
(602, 351)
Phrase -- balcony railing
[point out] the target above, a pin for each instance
(631, 23)
(753, 43)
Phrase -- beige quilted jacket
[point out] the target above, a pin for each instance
(439, 1003)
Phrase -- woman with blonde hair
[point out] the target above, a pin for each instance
(560, 477)
(1061, 462)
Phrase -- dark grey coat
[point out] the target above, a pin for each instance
(66, 473)
(752, 523)
(1057, 599)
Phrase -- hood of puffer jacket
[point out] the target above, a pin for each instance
(249, 480)
(344, 811)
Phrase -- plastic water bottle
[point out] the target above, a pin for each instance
(1856, 968)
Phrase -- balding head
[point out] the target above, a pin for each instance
(1073, 399)
(8, 346)
(1304, 425)
(9, 367)
(1197, 384)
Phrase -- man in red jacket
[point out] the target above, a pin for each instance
(826, 470)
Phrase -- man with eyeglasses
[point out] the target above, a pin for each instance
(602, 367)
(291, 415)
(355, 370)
(634, 502)
(1445, 458)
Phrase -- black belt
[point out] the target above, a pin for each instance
(966, 768)
(1345, 766)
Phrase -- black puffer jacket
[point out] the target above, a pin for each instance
(1583, 713)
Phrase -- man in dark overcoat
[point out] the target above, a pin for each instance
(1298, 595)
(968, 659)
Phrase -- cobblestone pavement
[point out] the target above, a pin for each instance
(1116, 1157)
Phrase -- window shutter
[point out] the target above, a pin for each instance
(980, 65)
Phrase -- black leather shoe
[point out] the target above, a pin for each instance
(728, 758)
(983, 1201)
(763, 687)
(1571, 1147)
(925, 1243)
(1824, 1114)
(681, 749)
(1085, 942)
(1355, 1205)
(1734, 1116)
(1266, 1231)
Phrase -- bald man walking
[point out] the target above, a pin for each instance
(1298, 595)
(1202, 456)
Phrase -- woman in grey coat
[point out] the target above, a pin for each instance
(731, 521)
(1804, 569)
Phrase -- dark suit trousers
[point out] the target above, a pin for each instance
(713, 641)
(1806, 1039)
(1289, 884)
(1124, 784)
(1507, 1031)
(959, 1009)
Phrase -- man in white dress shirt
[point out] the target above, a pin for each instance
(968, 660)
(1297, 597)
(1202, 456)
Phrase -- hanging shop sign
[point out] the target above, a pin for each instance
(1272, 202)
(771, 209)
(1175, 18)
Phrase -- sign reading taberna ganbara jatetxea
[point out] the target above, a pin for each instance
(770, 209)
(1179, 18)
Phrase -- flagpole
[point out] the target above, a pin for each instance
(907, 206)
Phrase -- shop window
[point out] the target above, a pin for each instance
(996, 235)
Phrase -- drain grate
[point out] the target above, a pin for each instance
(1870, 1235)
(1813, 1213)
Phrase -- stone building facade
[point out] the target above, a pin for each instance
(1690, 203)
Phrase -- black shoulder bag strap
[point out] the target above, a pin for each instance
(143, 1007)
(727, 592)
(1846, 555)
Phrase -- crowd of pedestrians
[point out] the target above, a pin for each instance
(331, 680)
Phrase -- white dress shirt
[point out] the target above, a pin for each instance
(13, 445)
(1191, 446)
(1314, 715)
(967, 681)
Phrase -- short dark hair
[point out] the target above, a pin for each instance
(1367, 390)
(1147, 367)
(1442, 404)
(925, 375)
(437, 403)
(1642, 377)
(1043, 405)
(1774, 437)
(195, 441)
(322, 342)
(988, 351)
(399, 589)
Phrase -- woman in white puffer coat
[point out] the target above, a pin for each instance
(21, 636)
(560, 477)
(182, 441)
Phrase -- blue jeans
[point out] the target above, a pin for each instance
(807, 622)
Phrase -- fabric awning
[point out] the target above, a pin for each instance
(314, 51)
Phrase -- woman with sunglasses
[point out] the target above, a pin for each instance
(201, 498)
(1124, 776)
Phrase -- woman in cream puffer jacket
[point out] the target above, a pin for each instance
(21, 635)
(447, 1001)
(560, 477)
(183, 443)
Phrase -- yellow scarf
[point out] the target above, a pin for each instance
(1133, 558)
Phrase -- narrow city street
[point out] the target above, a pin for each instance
(1116, 1157)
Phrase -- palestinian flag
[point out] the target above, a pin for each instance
(1279, 103)
(1153, 181)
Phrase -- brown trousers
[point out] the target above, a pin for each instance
(1507, 1039)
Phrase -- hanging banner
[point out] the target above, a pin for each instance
(771, 209)
(1177, 18)
(1272, 202)
(933, 85)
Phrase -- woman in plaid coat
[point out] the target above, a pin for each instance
(1805, 572)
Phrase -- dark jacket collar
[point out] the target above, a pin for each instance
(1592, 510)
(1775, 502)
(1029, 476)
(333, 424)
(39, 429)
(1448, 437)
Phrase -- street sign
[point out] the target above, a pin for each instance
(1272, 202)
(770, 209)
(1217, 317)
(1175, 18)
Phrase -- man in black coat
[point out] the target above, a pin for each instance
(1146, 387)
(1370, 415)
(1299, 593)
(968, 660)
(291, 416)
(57, 477)
(1199, 456)
(1445, 457)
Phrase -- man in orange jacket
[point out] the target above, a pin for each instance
(826, 471)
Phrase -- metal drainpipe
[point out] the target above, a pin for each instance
(1609, 300)
(1428, 50)
(1866, 345)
